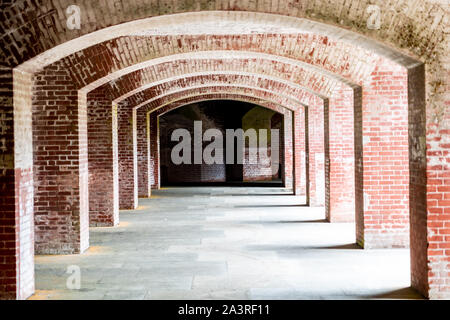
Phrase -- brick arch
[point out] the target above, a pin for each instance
(220, 96)
(128, 184)
(251, 81)
(88, 67)
(233, 93)
(305, 174)
(202, 90)
(147, 176)
(126, 112)
(254, 22)
(124, 81)
(431, 45)
(155, 96)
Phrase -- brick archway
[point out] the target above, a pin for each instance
(431, 163)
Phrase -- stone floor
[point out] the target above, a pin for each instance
(226, 243)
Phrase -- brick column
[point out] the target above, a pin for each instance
(429, 156)
(382, 175)
(154, 151)
(143, 148)
(103, 161)
(16, 186)
(340, 154)
(299, 128)
(61, 205)
(316, 165)
(288, 149)
(127, 148)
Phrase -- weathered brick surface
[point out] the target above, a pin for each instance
(60, 164)
(316, 154)
(155, 181)
(384, 166)
(262, 170)
(158, 103)
(103, 160)
(287, 143)
(300, 183)
(16, 187)
(401, 23)
(340, 155)
(127, 153)
(128, 81)
(286, 91)
(143, 153)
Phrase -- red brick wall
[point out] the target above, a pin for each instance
(127, 152)
(262, 170)
(384, 166)
(299, 152)
(287, 146)
(315, 154)
(154, 151)
(103, 161)
(60, 164)
(16, 187)
(143, 151)
(438, 203)
(340, 155)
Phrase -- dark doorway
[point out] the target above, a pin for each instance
(220, 115)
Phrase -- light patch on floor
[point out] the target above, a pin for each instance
(226, 243)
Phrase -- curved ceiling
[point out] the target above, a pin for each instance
(204, 90)
(121, 20)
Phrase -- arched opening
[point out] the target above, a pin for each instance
(251, 165)
(399, 180)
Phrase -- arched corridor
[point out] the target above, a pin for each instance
(364, 146)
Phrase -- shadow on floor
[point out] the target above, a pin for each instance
(272, 206)
(349, 246)
(342, 247)
(301, 221)
(402, 294)
(285, 221)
